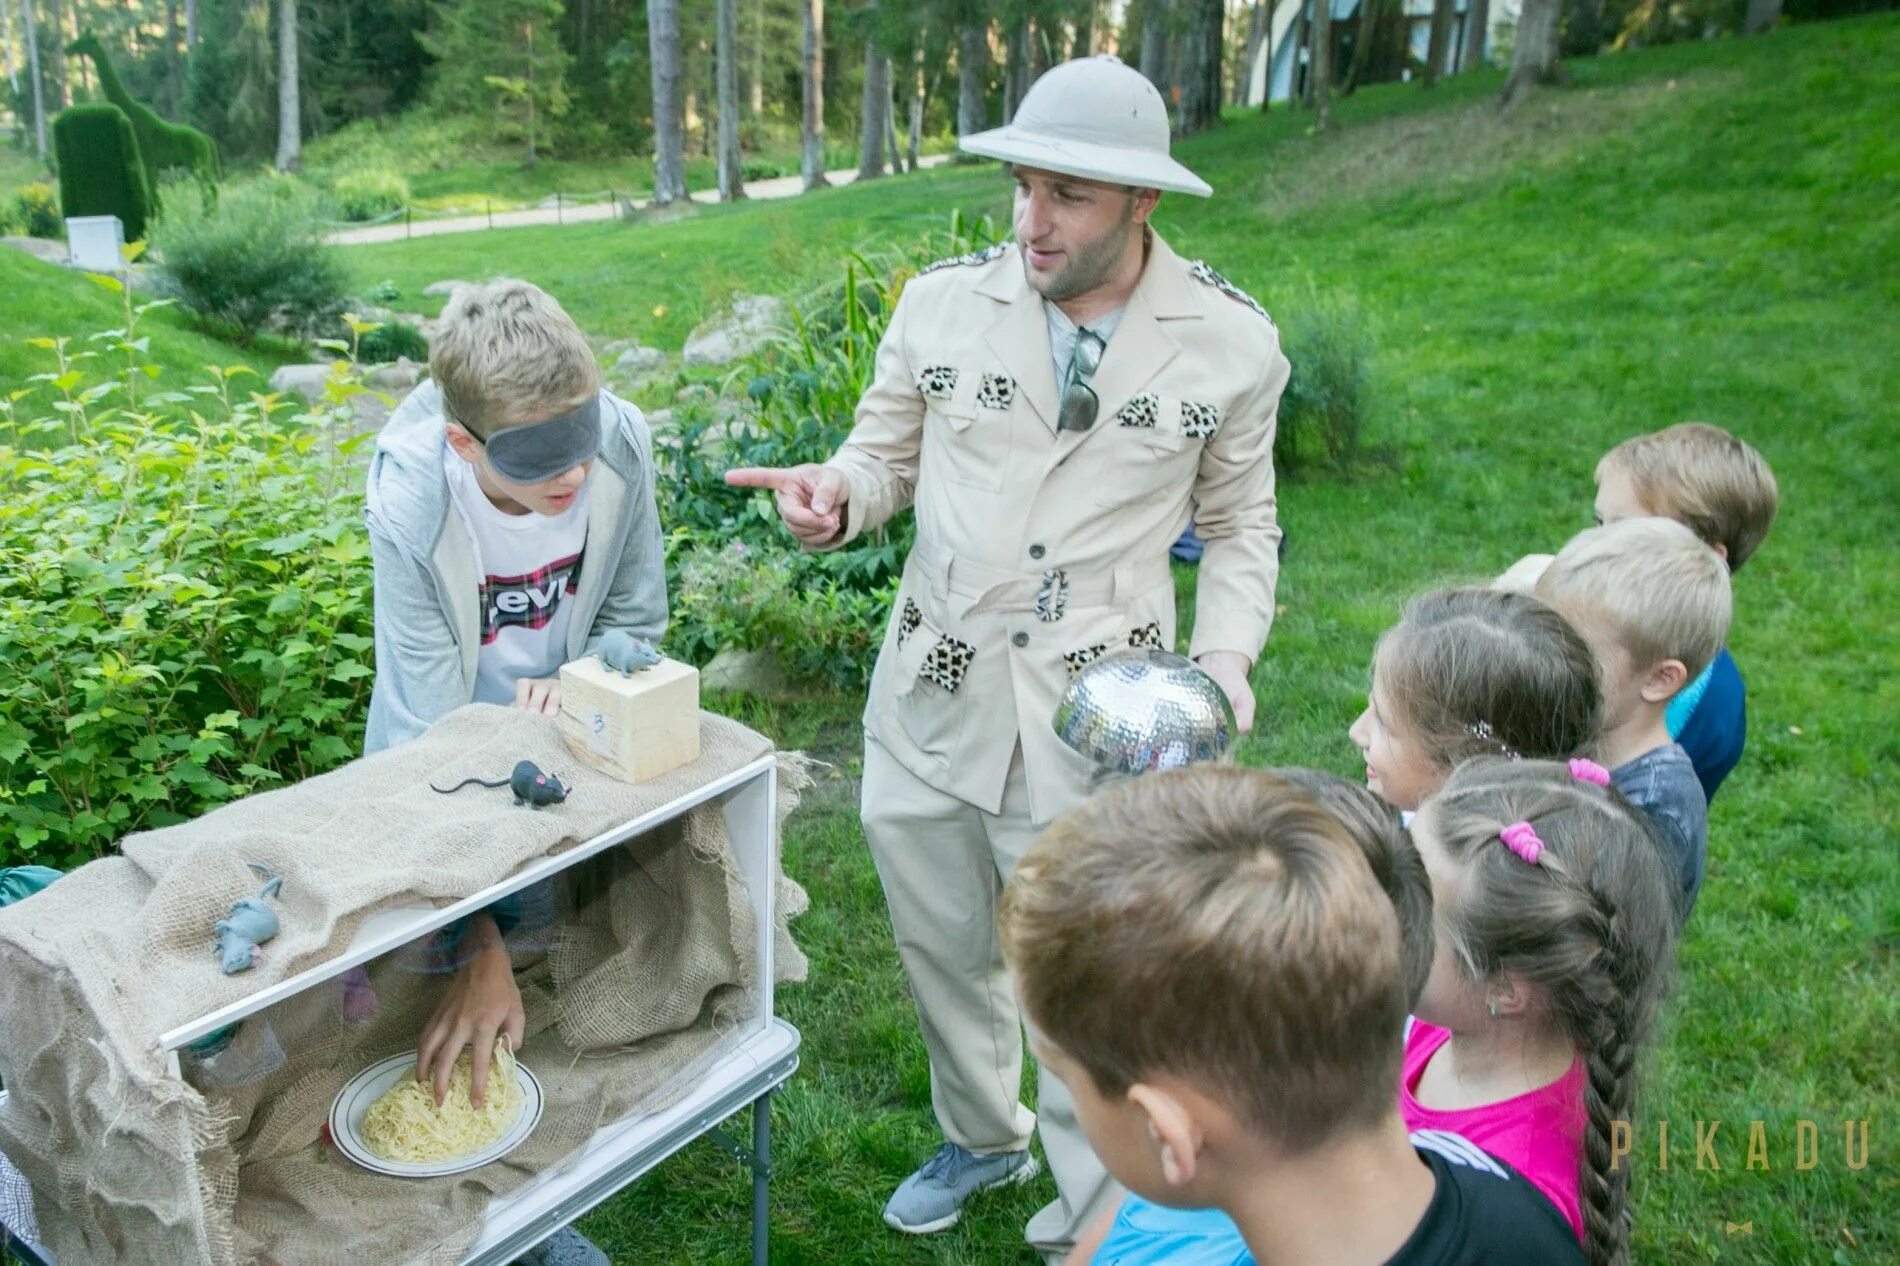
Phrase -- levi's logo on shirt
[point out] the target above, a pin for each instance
(530, 601)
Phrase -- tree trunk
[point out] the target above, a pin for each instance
(289, 120)
(1581, 31)
(877, 92)
(914, 141)
(1088, 39)
(1299, 79)
(1440, 41)
(1259, 25)
(1477, 26)
(1365, 36)
(731, 170)
(62, 91)
(528, 156)
(191, 25)
(1323, 63)
(174, 63)
(1200, 46)
(1534, 60)
(892, 149)
(39, 82)
(1266, 90)
(1155, 17)
(1763, 15)
(973, 52)
(812, 124)
(6, 45)
(756, 102)
(1016, 69)
(669, 143)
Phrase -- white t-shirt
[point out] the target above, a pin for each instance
(530, 565)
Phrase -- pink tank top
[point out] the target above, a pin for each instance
(1539, 1134)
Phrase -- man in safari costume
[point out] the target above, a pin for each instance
(1054, 408)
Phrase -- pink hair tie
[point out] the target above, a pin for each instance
(1521, 838)
(1589, 771)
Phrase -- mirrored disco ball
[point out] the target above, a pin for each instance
(1145, 710)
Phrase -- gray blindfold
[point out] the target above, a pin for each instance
(538, 452)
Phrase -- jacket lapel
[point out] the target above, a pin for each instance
(1142, 346)
(1019, 337)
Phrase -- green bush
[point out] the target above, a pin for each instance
(1330, 343)
(736, 582)
(389, 341)
(36, 211)
(100, 168)
(253, 262)
(364, 193)
(759, 169)
(184, 606)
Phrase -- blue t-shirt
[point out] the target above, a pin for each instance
(1709, 718)
(1663, 784)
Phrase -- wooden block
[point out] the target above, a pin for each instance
(634, 727)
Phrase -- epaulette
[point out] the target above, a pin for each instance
(1201, 272)
(983, 256)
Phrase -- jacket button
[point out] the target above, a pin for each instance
(1037, 551)
(1021, 639)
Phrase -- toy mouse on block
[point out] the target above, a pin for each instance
(250, 923)
(629, 711)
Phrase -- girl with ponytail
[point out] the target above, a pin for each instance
(1556, 924)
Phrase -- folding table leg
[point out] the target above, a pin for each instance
(761, 1174)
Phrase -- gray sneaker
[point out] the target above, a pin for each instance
(566, 1247)
(932, 1199)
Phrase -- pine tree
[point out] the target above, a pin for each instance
(500, 56)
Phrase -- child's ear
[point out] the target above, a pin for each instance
(466, 446)
(1509, 994)
(1664, 679)
(1173, 1131)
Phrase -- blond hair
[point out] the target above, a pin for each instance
(1485, 672)
(1591, 923)
(1378, 831)
(506, 353)
(1702, 476)
(1214, 924)
(1664, 592)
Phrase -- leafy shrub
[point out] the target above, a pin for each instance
(36, 211)
(389, 341)
(363, 193)
(253, 262)
(184, 602)
(759, 169)
(737, 584)
(1323, 411)
(383, 293)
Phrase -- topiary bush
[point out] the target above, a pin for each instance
(100, 169)
(364, 193)
(255, 261)
(184, 603)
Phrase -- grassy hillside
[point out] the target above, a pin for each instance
(47, 301)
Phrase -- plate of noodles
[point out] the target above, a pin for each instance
(387, 1121)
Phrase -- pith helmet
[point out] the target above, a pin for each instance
(1096, 118)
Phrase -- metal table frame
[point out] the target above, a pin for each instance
(623, 1151)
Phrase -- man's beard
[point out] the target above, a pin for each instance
(1090, 265)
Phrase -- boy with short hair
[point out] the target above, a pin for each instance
(1723, 491)
(1208, 963)
(511, 517)
(1653, 603)
(512, 524)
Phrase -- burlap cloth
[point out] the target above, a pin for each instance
(650, 968)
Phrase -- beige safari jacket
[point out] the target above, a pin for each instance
(1039, 550)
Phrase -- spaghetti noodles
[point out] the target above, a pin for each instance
(405, 1124)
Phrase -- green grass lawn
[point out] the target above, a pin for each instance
(1708, 231)
(45, 301)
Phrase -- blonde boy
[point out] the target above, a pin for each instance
(511, 517)
(1722, 490)
(1653, 603)
(511, 524)
(1206, 960)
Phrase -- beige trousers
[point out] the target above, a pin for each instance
(943, 862)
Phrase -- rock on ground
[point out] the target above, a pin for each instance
(443, 288)
(755, 672)
(752, 321)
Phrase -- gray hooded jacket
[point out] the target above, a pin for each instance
(428, 621)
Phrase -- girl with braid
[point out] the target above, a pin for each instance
(1556, 924)
(1467, 673)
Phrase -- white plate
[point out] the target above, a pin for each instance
(352, 1105)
